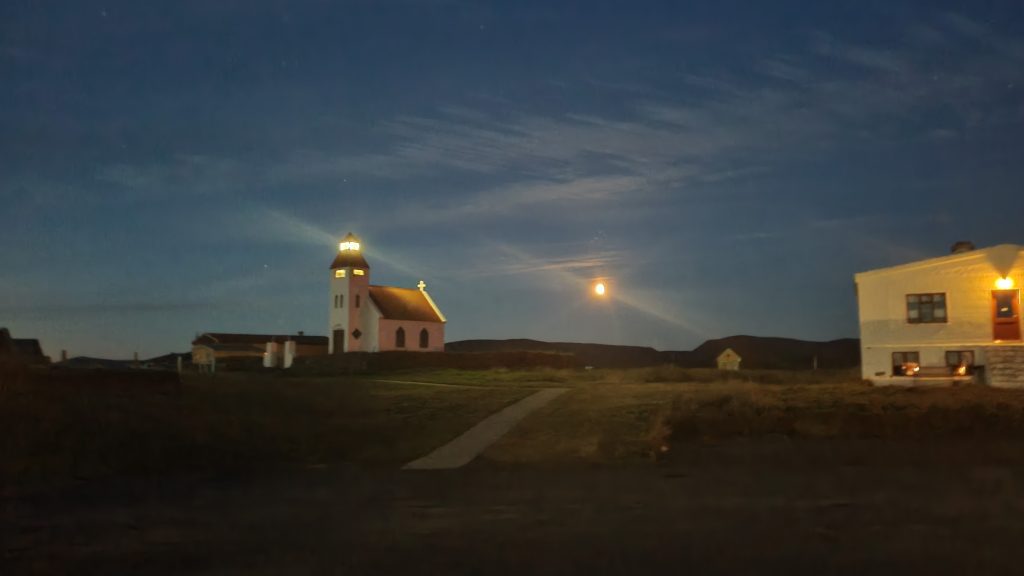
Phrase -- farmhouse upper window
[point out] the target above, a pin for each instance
(926, 308)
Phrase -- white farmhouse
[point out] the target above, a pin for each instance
(947, 318)
(368, 318)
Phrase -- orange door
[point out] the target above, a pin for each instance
(1006, 314)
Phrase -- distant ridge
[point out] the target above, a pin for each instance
(780, 353)
(756, 351)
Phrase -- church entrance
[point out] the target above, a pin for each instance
(339, 341)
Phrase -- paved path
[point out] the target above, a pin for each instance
(472, 442)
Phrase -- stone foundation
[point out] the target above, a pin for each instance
(1005, 366)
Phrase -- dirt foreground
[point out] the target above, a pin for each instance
(769, 505)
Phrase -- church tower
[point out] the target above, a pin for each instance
(350, 327)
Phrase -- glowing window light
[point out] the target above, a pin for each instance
(339, 273)
(1004, 283)
(359, 272)
(354, 246)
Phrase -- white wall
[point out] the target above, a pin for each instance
(348, 317)
(412, 335)
(967, 280)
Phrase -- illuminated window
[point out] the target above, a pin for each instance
(358, 272)
(348, 246)
(960, 362)
(424, 338)
(926, 308)
(339, 273)
(400, 338)
(905, 363)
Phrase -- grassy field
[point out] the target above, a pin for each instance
(637, 415)
(227, 423)
(256, 421)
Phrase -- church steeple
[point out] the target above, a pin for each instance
(352, 328)
(350, 254)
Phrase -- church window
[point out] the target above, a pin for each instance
(358, 272)
(335, 300)
(424, 338)
(400, 338)
(339, 273)
(357, 300)
(341, 300)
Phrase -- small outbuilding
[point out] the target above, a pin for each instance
(210, 349)
(729, 360)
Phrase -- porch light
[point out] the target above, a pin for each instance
(1004, 283)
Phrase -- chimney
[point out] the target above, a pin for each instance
(962, 246)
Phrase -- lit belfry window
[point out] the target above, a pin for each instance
(354, 246)
(359, 272)
(339, 273)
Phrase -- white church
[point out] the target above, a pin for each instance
(368, 318)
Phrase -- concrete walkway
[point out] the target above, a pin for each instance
(472, 442)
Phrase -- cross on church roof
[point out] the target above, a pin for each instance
(422, 285)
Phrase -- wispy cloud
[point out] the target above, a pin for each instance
(728, 126)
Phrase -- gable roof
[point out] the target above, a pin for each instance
(404, 304)
(28, 347)
(1002, 257)
(228, 338)
(728, 354)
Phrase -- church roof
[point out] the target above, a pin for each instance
(403, 304)
(350, 254)
(349, 259)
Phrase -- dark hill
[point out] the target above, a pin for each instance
(756, 351)
(603, 355)
(780, 353)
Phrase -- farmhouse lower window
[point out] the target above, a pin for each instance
(960, 362)
(905, 363)
(926, 308)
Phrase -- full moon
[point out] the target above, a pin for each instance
(599, 288)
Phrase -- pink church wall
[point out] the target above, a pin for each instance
(388, 329)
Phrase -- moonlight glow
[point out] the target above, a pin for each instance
(599, 289)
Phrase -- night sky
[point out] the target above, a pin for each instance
(181, 167)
